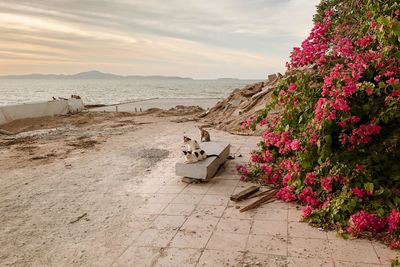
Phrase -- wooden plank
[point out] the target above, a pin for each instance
(260, 194)
(245, 193)
(260, 201)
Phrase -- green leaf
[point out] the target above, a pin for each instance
(369, 187)
(380, 212)
(396, 29)
(379, 191)
(328, 139)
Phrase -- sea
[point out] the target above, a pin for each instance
(114, 91)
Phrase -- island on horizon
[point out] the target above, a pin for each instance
(95, 74)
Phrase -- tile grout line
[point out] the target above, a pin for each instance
(330, 249)
(287, 235)
(158, 215)
(212, 232)
(187, 217)
(376, 253)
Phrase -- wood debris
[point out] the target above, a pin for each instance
(269, 197)
(245, 193)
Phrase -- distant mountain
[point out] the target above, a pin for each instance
(94, 74)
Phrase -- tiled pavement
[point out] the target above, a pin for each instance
(183, 224)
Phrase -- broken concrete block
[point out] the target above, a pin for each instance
(205, 169)
(272, 77)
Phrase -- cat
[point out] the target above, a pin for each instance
(205, 135)
(191, 145)
(197, 155)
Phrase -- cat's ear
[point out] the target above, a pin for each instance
(202, 152)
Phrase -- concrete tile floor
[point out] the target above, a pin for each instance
(197, 225)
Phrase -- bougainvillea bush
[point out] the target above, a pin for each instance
(334, 145)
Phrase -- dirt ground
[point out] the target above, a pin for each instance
(66, 182)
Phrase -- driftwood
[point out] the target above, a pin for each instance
(268, 197)
(245, 193)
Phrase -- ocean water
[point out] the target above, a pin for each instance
(114, 91)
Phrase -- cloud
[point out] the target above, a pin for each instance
(229, 37)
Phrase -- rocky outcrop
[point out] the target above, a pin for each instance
(229, 113)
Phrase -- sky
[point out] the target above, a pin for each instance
(202, 39)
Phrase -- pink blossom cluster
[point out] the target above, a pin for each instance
(282, 141)
(360, 193)
(364, 221)
(310, 178)
(243, 171)
(326, 183)
(286, 194)
(256, 158)
(306, 211)
(246, 124)
(361, 135)
(393, 221)
(309, 197)
(313, 48)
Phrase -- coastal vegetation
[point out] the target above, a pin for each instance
(334, 145)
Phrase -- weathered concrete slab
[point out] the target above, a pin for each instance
(205, 169)
(39, 109)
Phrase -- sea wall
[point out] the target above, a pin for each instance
(39, 109)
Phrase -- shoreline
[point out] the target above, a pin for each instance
(161, 103)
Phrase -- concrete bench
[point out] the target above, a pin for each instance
(205, 169)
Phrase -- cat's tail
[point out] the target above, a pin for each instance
(212, 155)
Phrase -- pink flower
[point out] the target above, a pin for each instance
(288, 177)
(359, 168)
(341, 104)
(364, 41)
(393, 220)
(295, 145)
(246, 124)
(369, 91)
(368, 222)
(242, 170)
(310, 178)
(256, 158)
(266, 169)
(306, 211)
(342, 124)
(286, 194)
(309, 197)
(328, 13)
(358, 192)
(326, 184)
(292, 87)
(392, 80)
(395, 93)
